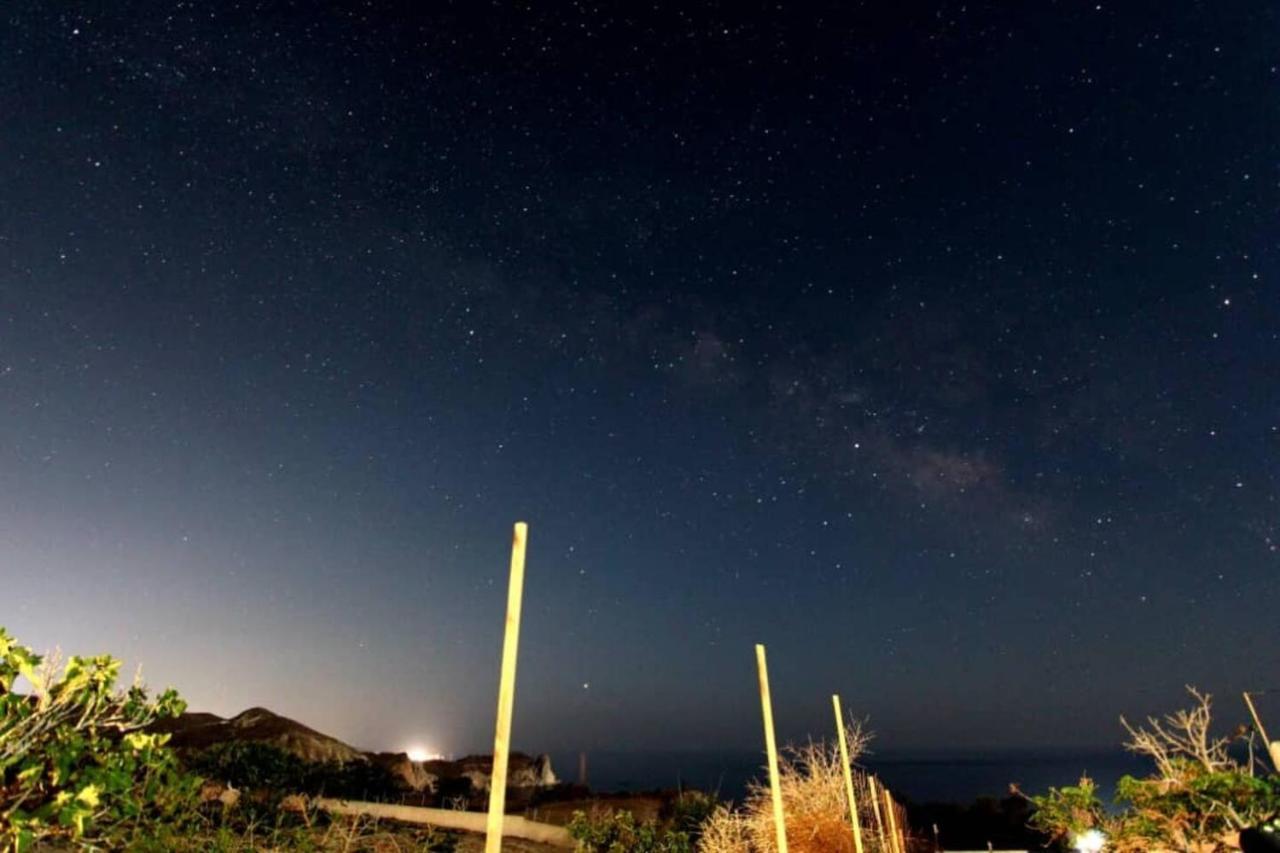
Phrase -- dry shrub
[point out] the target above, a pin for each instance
(726, 831)
(813, 800)
(1181, 737)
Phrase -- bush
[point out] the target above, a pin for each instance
(75, 759)
(261, 767)
(814, 802)
(689, 813)
(619, 832)
(1066, 812)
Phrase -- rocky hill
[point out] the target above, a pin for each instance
(467, 776)
(258, 725)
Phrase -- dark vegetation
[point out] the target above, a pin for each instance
(1002, 822)
(259, 767)
(677, 829)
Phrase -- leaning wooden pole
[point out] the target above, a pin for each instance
(506, 694)
(894, 838)
(1273, 749)
(875, 808)
(848, 774)
(771, 745)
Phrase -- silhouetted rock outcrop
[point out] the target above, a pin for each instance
(409, 774)
(523, 771)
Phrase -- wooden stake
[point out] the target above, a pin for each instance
(875, 807)
(506, 694)
(893, 821)
(848, 774)
(1273, 749)
(779, 818)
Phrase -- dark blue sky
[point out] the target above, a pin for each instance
(933, 345)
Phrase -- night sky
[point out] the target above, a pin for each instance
(936, 346)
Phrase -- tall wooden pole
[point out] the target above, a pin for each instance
(1273, 749)
(875, 807)
(893, 821)
(848, 774)
(506, 694)
(779, 818)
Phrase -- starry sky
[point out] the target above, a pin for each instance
(933, 345)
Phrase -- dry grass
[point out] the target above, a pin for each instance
(813, 799)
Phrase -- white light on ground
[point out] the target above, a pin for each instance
(1090, 841)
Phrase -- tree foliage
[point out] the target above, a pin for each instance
(76, 760)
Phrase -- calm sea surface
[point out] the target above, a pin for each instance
(921, 777)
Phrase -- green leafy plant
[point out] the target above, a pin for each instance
(1066, 812)
(1193, 806)
(620, 832)
(76, 760)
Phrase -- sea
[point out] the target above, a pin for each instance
(922, 777)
